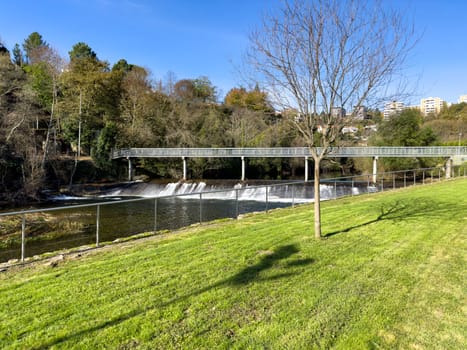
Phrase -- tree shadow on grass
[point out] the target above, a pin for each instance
(251, 273)
(406, 210)
(244, 277)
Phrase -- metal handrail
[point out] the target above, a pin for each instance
(267, 152)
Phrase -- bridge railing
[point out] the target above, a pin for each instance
(32, 232)
(260, 152)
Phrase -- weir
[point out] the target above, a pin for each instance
(447, 153)
(298, 192)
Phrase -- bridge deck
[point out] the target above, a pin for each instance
(288, 152)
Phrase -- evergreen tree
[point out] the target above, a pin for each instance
(17, 55)
(31, 43)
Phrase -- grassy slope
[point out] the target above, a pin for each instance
(391, 274)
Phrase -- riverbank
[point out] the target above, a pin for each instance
(390, 273)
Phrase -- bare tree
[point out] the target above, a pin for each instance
(321, 56)
(136, 86)
(53, 65)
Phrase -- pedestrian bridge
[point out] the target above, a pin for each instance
(289, 152)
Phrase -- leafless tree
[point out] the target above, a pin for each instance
(136, 86)
(323, 55)
(53, 65)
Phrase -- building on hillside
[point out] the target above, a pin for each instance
(392, 108)
(431, 105)
(349, 130)
(338, 112)
(463, 99)
(360, 113)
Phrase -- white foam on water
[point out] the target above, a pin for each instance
(190, 190)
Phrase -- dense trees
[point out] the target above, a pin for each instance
(21, 173)
(405, 129)
(451, 125)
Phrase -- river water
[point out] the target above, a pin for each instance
(154, 211)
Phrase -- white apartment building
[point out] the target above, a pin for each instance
(392, 108)
(463, 99)
(431, 105)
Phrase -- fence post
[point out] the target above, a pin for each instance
(267, 199)
(155, 215)
(236, 203)
(351, 188)
(405, 179)
(98, 219)
(423, 178)
(439, 174)
(393, 181)
(293, 195)
(414, 177)
(368, 184)
(382, 183)
(200, 208)
(23, 237)
(431, 173)
(335, 189)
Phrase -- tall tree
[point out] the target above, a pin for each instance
(255, 99)
(322, 55)
(81, 51)
(17, 55)
(44, 78)
(83, 85)
(198, 90)
(136, 87)
(31, 43)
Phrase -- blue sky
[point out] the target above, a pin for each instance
(208, 37)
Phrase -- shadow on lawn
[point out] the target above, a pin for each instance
(247, 275)
(251, 273)
(415, 208)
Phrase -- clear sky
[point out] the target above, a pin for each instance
(195, 38)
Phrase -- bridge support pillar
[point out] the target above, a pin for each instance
(243, 168)
(449, 168)
(184, 168)
(375, 169)
(306, 168)
(130, 170)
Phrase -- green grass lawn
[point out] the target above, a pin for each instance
(390, 274)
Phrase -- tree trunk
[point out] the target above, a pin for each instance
(317, 198)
